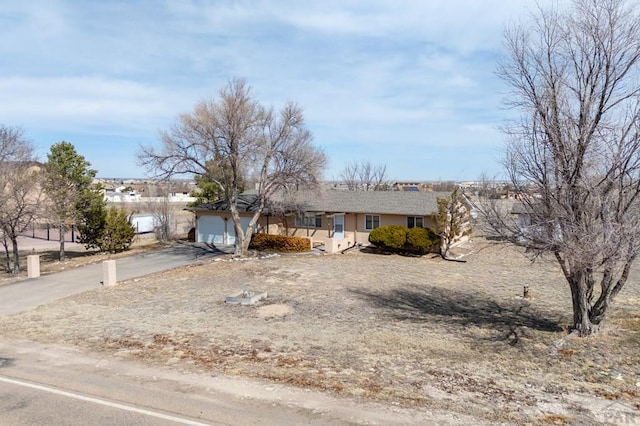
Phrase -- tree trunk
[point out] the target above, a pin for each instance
(61, 231)
(7, 257)
(237, 227)
(599, 312)
(609, 289)
(445, 246)
(16, 256)
(238, 246)
(251, 229)
(582, 324)
(243, 239)
(246, 241)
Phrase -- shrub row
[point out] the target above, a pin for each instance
(399, 238)
(282, 243)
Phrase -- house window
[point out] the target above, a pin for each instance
(371, 221)
(415, 222)
(303, 221)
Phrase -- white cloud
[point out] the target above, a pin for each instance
(83, 102)
(418, 73)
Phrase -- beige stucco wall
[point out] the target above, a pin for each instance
(428, 221)
(354, 227)
(286, 226)
(354, 224)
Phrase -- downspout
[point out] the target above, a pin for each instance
(355, 232)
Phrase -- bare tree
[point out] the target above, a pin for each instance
(235, 140)
(20, 190)
(365, 176)
(164, 218)
(7, 254)
(574, 154)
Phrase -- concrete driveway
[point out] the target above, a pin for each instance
(30, 293)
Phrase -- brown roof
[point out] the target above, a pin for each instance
(334, 201)
(371, 202)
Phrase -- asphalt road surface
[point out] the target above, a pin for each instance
(56, 385)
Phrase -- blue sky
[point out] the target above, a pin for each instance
(409, 84)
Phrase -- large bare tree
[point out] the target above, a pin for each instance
(365, 176)
(234, 140)
(574, 152)
(20, 190)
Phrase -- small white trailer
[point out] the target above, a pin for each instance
(143, 223)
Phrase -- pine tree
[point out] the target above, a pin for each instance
(66, 177)
(118, 231)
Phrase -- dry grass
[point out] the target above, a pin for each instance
(418, 332)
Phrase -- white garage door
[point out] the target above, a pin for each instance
(211, 229)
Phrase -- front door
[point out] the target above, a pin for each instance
(338, 226)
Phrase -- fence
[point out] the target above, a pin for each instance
(46, 231)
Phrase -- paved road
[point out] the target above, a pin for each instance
(46, 384)
(25, 403)
(30, 293)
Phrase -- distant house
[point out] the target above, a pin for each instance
(532, 224)
(337, 219)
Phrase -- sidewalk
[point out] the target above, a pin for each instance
(28, 294)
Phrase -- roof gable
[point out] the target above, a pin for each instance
(247, 202)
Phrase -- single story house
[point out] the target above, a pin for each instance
(337, 219)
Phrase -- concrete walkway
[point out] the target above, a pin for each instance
(28, 294)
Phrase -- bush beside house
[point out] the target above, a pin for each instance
(393, 237)
(401, 238)
(280, 243)
(423, 240)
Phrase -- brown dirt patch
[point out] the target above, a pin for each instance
(272, 311)
(408, 331)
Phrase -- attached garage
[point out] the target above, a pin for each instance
(213, 229)
(214, 224)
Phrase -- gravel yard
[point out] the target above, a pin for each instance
(407, 331)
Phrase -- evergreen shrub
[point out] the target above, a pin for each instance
(423, 240)
(279, 243)
(392, 237)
